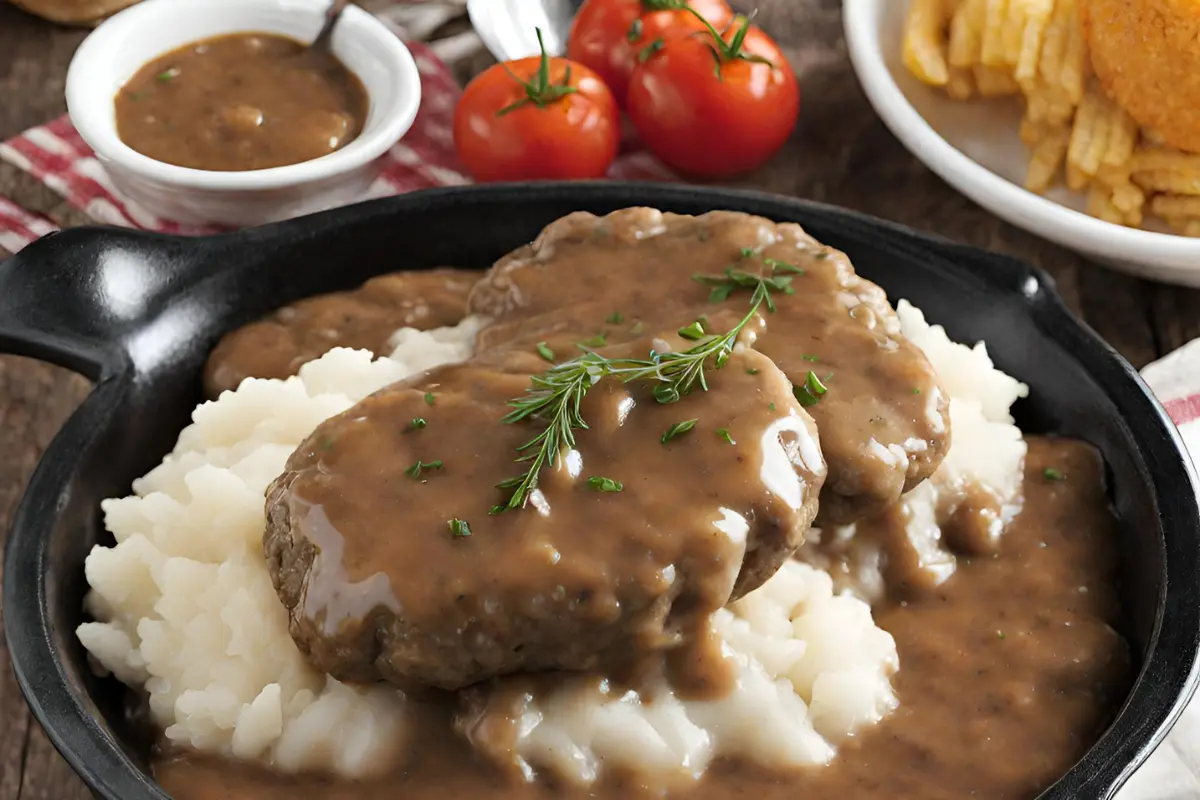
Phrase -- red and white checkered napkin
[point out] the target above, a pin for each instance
(19, 227)
(55, 154)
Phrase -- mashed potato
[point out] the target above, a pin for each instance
(184, 602)
(185, 610)
(983, 467)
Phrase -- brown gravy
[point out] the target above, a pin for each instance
(365, 318)
(241, 102)
(1009, 672)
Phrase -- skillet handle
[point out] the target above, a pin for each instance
(74, 298)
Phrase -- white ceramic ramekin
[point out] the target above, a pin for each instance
(127, 41)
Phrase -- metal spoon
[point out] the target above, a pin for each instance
(332, 15)
(508, 28)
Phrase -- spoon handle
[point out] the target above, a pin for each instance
(331, 17)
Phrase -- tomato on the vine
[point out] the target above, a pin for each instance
(715, 105)
(610, 36)
(537, 118)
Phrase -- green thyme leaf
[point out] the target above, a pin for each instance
(430, 399)
(416, 469)
(615, 318)
(417, 424)
(1053, 475)
(545, 352)
(459, 528)
(599, 340)
(724, 434)
(601, 484)
(694, 332)
(678, 429)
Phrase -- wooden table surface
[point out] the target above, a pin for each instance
(841, 154)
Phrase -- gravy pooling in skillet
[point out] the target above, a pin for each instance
(1010, 670)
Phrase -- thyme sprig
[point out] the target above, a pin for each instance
(733, 278)
(555, 396)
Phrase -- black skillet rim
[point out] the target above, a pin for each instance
(1167, 680)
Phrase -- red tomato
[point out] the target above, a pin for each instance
(537, 118)
(709, 119)
(609, 35)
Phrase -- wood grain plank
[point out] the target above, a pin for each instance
(1175, 313)
(35, 399)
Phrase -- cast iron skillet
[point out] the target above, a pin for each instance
(138, 313)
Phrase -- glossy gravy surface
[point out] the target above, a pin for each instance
(241, 102)
(1009, 672)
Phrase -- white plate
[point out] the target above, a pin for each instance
(976, 148)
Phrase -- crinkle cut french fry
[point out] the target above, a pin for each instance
(1087, 137)
(1037, 18)
(966, 33)
(961, 85)
(1014, 31)
(925, 42)
(1174, 206)
(1046, 160)
(1168, 181)
(1129, 200)
(1100, 204)
(991, 53)
(1054, 44)
(1165, 158)
(1103, 135)
(994, 82)
(1075, 58)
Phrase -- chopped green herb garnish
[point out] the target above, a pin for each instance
(430, 399)
(599, 340)
(733, 279)
(416, 469)
(638, 328)
(782, 266)
(545, 352)
(615, 318)
(649, 50)
(771, 406)
(916, 391)
(720, 294)
(555, 397)
(600, 484)
(417, 424)
(1051, 474)
(813, 359)
(1000, 635)
(809, 393)
(724, 434)
(678, 429)
(635, 31)
(694, 332)
(822, 254)
(752, 371)
(749, 252)
(459, 528)
(169, 75)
